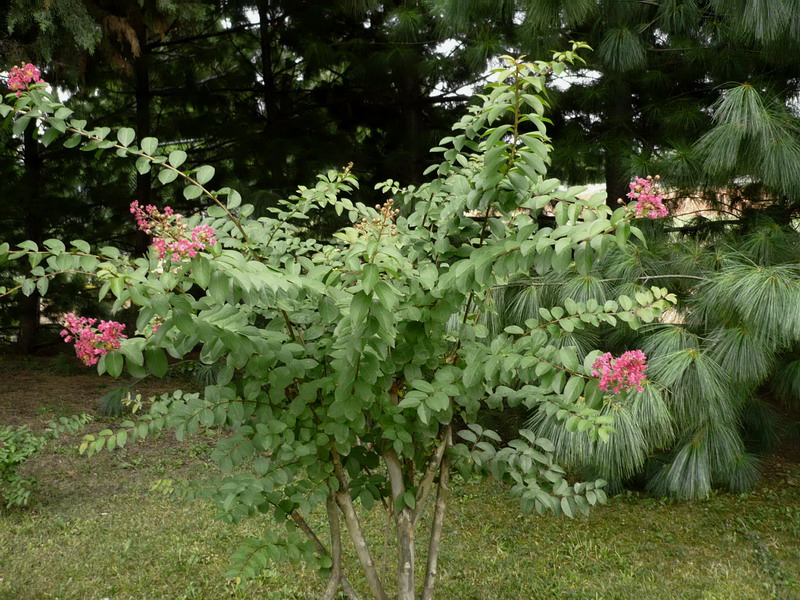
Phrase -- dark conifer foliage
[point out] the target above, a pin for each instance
(701, 91)
(269, 92)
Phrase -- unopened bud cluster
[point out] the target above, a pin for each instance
(384, 222)
(171, 235)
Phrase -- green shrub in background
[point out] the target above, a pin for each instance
(17, 444)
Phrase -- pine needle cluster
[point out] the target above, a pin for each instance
(720, 363)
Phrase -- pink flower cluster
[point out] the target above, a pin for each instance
(623, 373)
(648, 196)
(20, 78)
(92, 342)
(171, 236)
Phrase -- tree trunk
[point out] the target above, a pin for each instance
(335, 579)
(404, 526)
(270, 20)
(144, 193)
(356, 532)
(406, 559)
(438, 523)
(266, 40)
(618, 141)
(304, 527)
(412, 117)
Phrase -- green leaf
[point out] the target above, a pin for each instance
(49, 137)
(201, 270)
(54, 245)
(566, 507)
(190, 192)
(573, 389)
(422, 413)
(386, 295)
(369, 277)
(176, 158)
(183, 321)
(438, 402)
(149, 145)
(359, 307)
(204, 174)
(20, 125)
(562, 260)
(412, 400)
(427, 275)
(218, 287)
(42, 285)
(623, 231)
(156, 361)
(114, 363)
(422, 386)
(166, 176)
(125, 135)
(73, 141)
(584, 259)
(327, 309)
(234, 199)
(117, 286)
(143, 165)
(62, 113)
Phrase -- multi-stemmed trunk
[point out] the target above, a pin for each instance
(406, 521)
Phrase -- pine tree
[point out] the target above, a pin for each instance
(695, 89)
(720, 365)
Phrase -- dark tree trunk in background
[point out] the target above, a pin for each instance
(268, 21)
(412, 117)
(31, 306)
(266, 40)
(144, 182)
(619, 113)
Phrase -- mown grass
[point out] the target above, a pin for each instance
(95, 530)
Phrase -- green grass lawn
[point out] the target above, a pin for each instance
(94, 530)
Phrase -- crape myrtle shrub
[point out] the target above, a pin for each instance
(346, 363)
